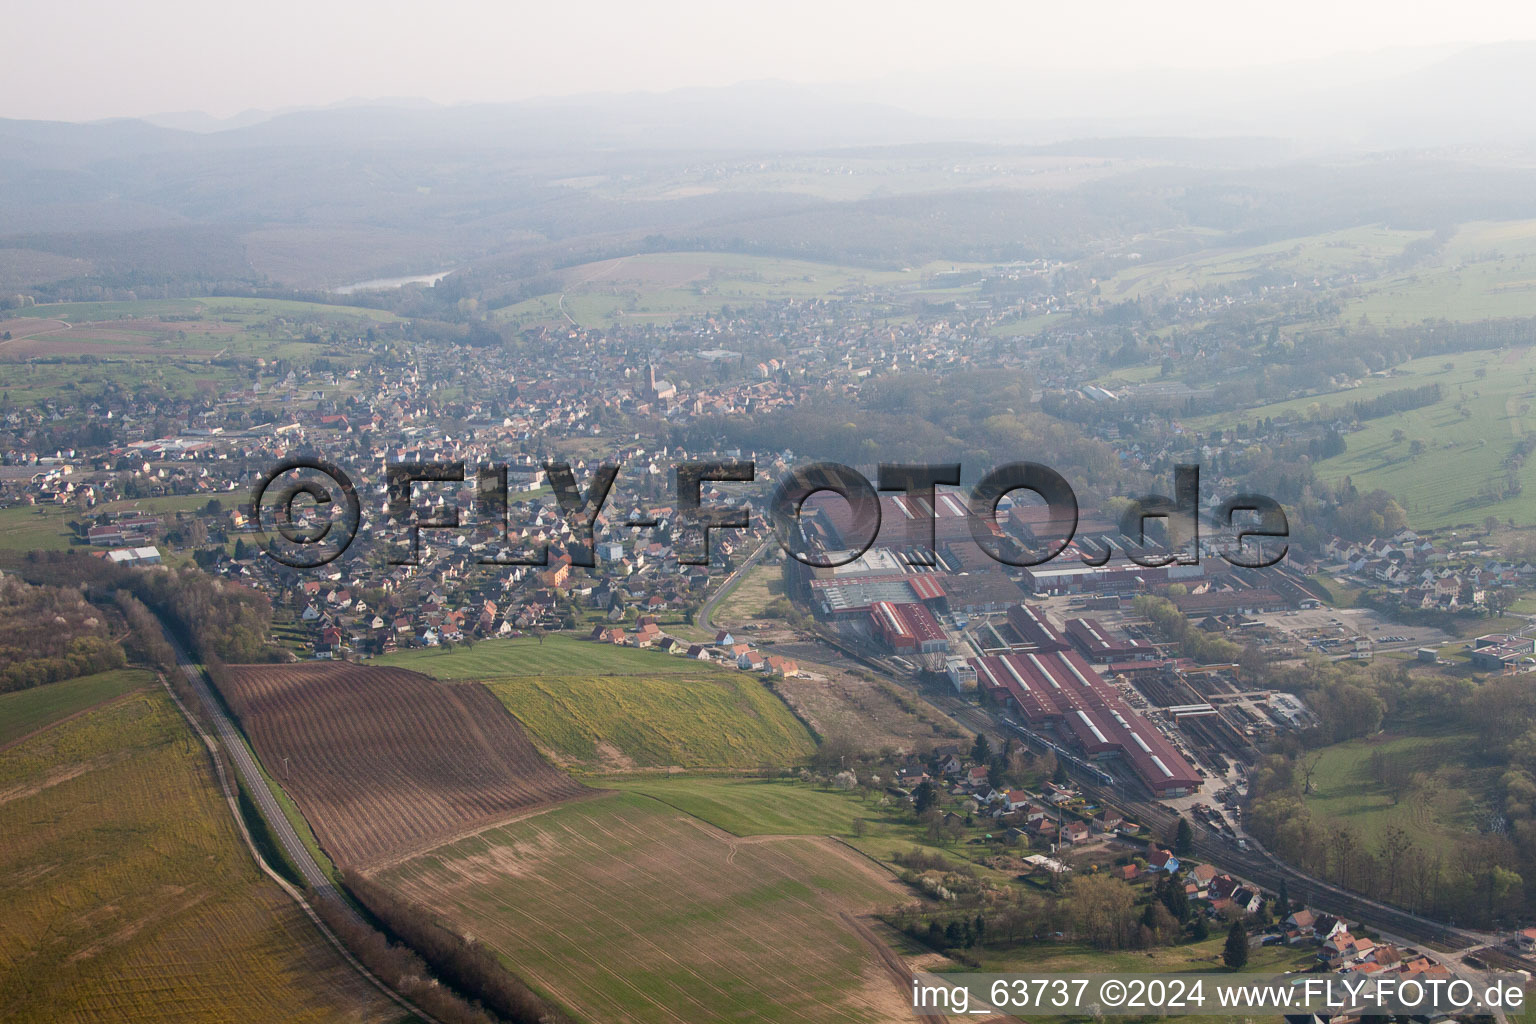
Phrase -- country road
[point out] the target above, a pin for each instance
(64, 325)
(245, 765)
(277, 824)
(707, 608)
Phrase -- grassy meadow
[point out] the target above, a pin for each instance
(712, 719)
(27, 711)
(557, 655)
(46, 527)
(1362, 250)
(667, 286)
(1487, 404)
(1484, 270)
(1438, 812)
(183, 346)
(750, 596)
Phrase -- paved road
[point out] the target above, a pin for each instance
(235, 749)
(701, 620)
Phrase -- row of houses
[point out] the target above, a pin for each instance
(725, 650)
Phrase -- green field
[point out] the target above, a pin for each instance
(46, 527)
(663, 918)
(1363, 250)
(557, 656)
(181, 345)
(1462, 454)
(750, 596)
(232, 309)
(600, 707)
(26, 711)
(669, 285)
(754, 807)
(1486, 270)
(1439, 812)
(764, 807)
(1189, 958)
(713, 719)
(130, 895)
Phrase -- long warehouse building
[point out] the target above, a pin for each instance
(1061, 690)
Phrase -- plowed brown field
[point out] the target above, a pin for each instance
(383, 761)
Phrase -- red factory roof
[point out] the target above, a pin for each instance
(927, 586)
(1094, 639)
(1034, 629)
(888, 621)
(922, 622)
(1062, 687)
(950, 513)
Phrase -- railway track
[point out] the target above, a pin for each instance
(1254, 865)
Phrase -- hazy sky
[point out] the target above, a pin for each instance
(100, 58)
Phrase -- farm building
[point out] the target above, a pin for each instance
(132, 557)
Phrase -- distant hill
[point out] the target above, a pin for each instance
(318, 198)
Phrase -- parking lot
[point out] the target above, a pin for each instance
(1334, 631)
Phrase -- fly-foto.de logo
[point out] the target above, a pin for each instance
(307, 513)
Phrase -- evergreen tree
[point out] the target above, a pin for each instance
(1170, 890)
(1235, 953)
(1284, 901)
(981, 750)
(1184, 838)
(1202, 929)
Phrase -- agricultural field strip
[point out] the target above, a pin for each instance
(266, 869)
(408, 798)
(657, 883)
(65, 696)
(821, 845)
(556, 656)
(711, 719)
(169, 945)
(405, 854)
(364, 803)
(733, 844)
(569, 893)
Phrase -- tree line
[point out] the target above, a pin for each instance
(51, 633)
